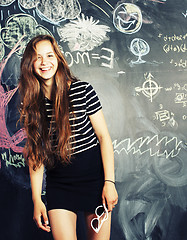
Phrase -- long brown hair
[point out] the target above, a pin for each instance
(38, 148)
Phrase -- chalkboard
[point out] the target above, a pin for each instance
(134, 54)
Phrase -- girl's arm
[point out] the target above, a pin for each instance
(36, 178)
(109, 195)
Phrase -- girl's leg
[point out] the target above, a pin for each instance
(104, 232)
(63, 224)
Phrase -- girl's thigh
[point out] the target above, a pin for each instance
(104, 232)
(63, 224)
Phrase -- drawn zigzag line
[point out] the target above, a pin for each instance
(168, 147)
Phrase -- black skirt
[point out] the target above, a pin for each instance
(77, 186)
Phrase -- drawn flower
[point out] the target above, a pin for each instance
(83, 34)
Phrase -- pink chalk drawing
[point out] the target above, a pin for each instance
(7, 141)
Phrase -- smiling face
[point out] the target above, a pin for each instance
(46, 63)
(127, 18)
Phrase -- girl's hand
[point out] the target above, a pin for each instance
(109, 195)
(40, 213)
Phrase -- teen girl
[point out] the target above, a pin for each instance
(66, 133)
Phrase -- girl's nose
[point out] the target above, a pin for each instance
(43, 61)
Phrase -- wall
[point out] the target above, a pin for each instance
(134, 54)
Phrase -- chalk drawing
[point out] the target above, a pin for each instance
(28, 4)
(152, 145)
(55, 11)
(185, 14)
(101, 8)
(139, 48)
(2, 50)
(52, 11)
(7, 141)
(83, 34)
(158, 1)
(105, 58)
(6, 2)
(18, 25)
(166, 118)
(150, 88)
(127, 18)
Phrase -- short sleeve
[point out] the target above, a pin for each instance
(92, 101)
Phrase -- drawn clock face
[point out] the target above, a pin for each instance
(127, 18)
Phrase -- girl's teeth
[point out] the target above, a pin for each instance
(44, 69)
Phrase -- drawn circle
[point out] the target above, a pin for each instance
(150, 88)
(20, 25)
(139, 47)
(127, 18)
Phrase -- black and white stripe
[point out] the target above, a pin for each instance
(85, 102)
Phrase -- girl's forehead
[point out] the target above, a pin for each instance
(44, 46)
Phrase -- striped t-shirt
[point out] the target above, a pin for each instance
(85, 102)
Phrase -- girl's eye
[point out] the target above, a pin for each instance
(50, 55)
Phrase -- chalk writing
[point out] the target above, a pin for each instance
(107, 58)
(127, 18)
(181, 63)
(168, 89)
(176, 48)
(173, 38)
(175, 44)
(15, 160)
(181, 98)
(179, 87)
(181, 95)
(150, 88)
(83, 34)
